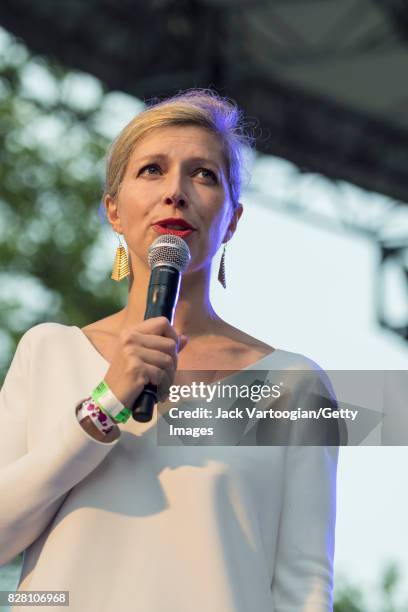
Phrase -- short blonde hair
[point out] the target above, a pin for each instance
(199, 107)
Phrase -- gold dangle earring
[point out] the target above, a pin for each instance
(221, 271)
(121, 264)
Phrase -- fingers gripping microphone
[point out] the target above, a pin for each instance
(168, 257)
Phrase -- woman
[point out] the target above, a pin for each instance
(100, 509)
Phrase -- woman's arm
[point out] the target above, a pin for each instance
(303, 577)
(34, 483)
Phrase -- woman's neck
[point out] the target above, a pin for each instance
(194, 314)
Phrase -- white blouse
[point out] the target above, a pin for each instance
(137, 525)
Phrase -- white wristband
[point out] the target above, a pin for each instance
(110, 403)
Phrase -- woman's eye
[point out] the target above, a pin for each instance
(208, 173)
(150, 169)
(149, 166)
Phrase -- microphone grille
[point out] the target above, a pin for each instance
(170, 250)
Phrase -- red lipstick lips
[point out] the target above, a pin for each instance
(172, 225)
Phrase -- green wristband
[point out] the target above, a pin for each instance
(109, 404)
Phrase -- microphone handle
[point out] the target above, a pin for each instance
(162, 296)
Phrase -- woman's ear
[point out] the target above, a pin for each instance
(111, 207)
(236, 215)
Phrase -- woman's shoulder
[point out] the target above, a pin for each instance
(240, 340)
(237, 339)
(40, 341)
(50, 329)
(283, 359)
(43, 334)
(47, 328)
(107, 326)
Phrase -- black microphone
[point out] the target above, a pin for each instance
(168, 257)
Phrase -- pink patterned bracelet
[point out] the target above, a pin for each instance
(99, 418)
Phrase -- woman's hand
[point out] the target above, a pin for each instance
(145, 353)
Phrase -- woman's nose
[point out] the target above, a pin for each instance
(177, 199)
(174, 192)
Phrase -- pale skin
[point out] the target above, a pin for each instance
(176, 171)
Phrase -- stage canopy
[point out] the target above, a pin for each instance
(328, 80)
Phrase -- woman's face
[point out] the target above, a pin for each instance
(176, 171)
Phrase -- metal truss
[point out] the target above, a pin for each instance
(352, 34)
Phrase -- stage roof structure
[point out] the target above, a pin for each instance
(327, 80)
